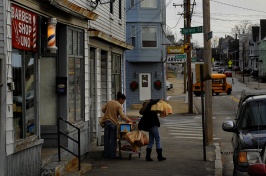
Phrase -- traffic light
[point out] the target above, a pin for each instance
(186, 47)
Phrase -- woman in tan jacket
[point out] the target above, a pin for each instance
(112, 111)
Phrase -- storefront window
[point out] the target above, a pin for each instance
(75, 45)
(24, 93)
(116, 75)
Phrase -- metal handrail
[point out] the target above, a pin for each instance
(66, 135)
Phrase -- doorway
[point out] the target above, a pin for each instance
(145, 86)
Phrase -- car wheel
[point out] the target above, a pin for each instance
(217, 93)
(229, 92)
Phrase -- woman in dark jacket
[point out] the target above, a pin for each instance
(150, 122)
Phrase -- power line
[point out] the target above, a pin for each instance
(148, 23)
(238, 7)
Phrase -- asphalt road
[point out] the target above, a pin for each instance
(224, 107)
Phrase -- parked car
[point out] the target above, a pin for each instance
(249, 131)
(216, 68)
(221, 70)
(169, 85)
(236, 68)
(228, 73)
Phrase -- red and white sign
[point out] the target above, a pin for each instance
(24, 29)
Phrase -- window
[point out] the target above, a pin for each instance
(253, 114)
(24, 99)
(116, 74)
(133, 35)
(75, 60)
(132, 3)
(149, 4)
(149, 37)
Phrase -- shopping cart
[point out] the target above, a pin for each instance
(124, 147)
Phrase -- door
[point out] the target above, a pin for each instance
(145, 86)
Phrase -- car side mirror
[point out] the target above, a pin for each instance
(229, 126)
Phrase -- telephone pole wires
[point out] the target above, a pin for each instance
(207, 60)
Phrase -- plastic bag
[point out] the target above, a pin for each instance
(137, 138)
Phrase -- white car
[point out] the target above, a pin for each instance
(216, 68)
(169, 85)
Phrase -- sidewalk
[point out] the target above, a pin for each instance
(184, 157)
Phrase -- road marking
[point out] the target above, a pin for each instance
(234, 98)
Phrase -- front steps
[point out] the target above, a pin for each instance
(68, 166)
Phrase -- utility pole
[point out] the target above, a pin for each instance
(243, 63)
(208, 83)
(184, 64)
(188, 41)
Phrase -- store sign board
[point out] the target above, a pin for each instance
(24, 29)
(176, 58)
(175, 49)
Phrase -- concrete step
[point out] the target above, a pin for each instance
(67, 166)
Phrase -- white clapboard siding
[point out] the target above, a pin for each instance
(108, 23)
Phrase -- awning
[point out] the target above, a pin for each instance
(74, 9)
(109, 38)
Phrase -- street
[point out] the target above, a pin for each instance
(224, 107)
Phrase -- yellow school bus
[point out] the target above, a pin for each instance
(219, 85)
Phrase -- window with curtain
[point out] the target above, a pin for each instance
(149, 36)
(24, 99)
(116, 74)
(75, 60)
(148, 4)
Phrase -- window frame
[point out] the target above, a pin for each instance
(76, 56)
(116, 74)
(23, 56)
(144, 4)
(133, 35)
(156, 32)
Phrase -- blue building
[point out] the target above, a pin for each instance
(145, 64)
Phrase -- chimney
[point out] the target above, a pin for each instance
(262, 29)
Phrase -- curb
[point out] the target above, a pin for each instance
(218, 160)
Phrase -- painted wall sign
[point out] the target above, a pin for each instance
(24, 29)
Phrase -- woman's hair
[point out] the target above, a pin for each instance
(120, 96)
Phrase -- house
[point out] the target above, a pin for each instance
(145, 64)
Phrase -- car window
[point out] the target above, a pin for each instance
(253, 114)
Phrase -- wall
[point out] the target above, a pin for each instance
(108, 23)
(147, 67)
(2, 87)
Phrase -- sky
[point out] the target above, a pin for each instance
(224, 14)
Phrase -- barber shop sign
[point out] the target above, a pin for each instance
(24, 29)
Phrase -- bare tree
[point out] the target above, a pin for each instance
(215, 42)
(243, 28)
